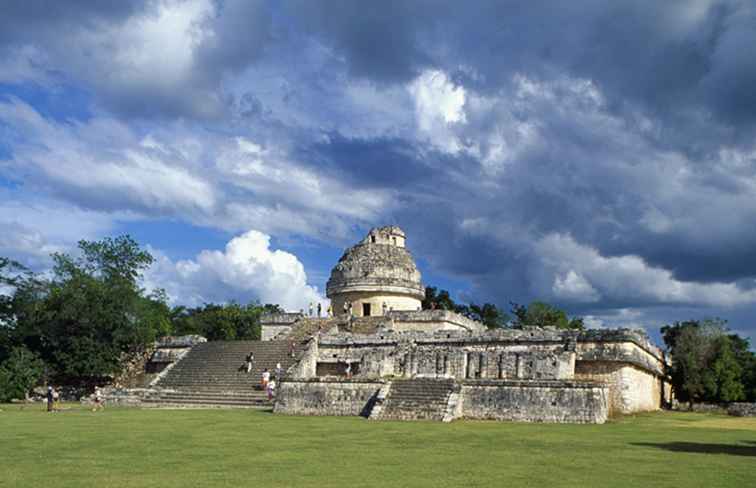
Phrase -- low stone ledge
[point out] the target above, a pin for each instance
(179, 341)
(326, 396)
(540, 383)
(742, 409)
(535, 401)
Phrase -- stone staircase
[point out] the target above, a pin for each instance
(416, 399)
(211, 374)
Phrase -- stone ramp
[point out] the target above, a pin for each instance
(416, 399)
(212, 374)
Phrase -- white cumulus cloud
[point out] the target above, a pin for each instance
(246, 270)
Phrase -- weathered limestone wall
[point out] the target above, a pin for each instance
(269, 332)
(631, 389)
(534, 401)
(274, 324)
(447, 355)
(326, 397)
(432, 320)
(742, 409)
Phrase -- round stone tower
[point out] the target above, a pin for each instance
(376, 275)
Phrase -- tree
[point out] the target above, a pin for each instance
(437, 299)
(540, 314)
(706, 362)
(221, 322)
(90, 312)
(19, 374)
(488, 313)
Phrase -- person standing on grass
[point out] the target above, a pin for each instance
(265, 379)
(250, 361)
(98, 405)
(56, 400)
(49, 398)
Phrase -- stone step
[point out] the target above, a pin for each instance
(209, 375)
(417, 399)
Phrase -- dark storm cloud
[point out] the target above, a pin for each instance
(670, 56)
(603, 157)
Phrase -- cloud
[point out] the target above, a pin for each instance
(149, 58)
(597, 154)
(102, 163)
(171, 171)
(248, 269)
(581, 274)
(32, 230)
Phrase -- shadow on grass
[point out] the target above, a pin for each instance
(703, 448)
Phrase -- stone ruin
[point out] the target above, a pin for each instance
(382, 357)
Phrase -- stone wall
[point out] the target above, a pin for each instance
(742, 409)
(122, 397)
(631, 389)
(432, 320)
(448, 356)
(534, 401)
(269, 332)
(273, 324)
(326, 397)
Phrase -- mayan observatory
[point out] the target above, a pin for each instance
(380, 356)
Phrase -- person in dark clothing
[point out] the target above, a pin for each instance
(49, 399)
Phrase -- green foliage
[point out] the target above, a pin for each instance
(540, 314)
(19, 373)
(438, 299)
(707, 363)
(221, 322)
(487, 313)
(89, 312)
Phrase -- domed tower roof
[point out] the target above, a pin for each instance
(379, 263)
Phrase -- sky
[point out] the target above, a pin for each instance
(600, 156)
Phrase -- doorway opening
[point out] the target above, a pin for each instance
(366, 310)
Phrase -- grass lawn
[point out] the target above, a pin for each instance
(248, 448)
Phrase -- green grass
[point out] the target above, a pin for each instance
(188, 448)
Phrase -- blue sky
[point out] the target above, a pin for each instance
(597, 155)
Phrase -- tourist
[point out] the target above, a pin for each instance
(249, 362)
(271, 389)
(310, 309)
(265, 379)
(349, 370)
(98, 404)
(346, 308)
(350, 309)
(49, 398)
(385, 308)
(292, 349)
(279, 371)
(319, 309)
(56, 400)
(330, 310)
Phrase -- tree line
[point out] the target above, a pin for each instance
(76, 324)
(535, 314)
